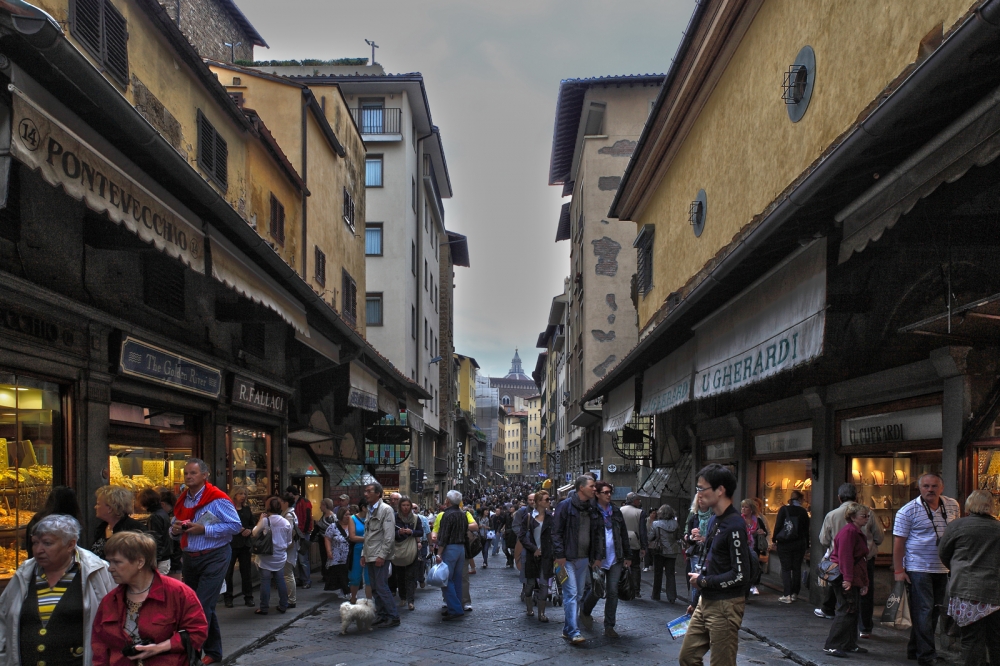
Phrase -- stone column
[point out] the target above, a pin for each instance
(90, 450)
(951, 365)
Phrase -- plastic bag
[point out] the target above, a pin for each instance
(598, 585)
(897, 609)
(438, 575)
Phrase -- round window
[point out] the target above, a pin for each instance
(798, 84)
(698, 212)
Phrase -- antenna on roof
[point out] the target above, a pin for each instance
(374, 46)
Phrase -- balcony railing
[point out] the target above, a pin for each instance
(378, 120)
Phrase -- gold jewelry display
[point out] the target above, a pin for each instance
(858, 479)
(900, 476)
(878, 478)
(807, 485)
(785, 483)
(798, 485)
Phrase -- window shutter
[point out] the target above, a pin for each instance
(221, 160)
(87, 24)
(206, 144)
(281, 223)
(116, 43)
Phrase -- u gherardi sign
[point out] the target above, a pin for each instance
(152, 363)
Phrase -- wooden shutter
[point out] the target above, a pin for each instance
(277, 225)
(349, 295)
(213, 152)
(221, 161)
(87, 24)
(115, 43)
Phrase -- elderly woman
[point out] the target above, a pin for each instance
(970, 548)
(62, 586)
(272, 566)
(327, 518)
(143, 617)
(335, 539)
(113, 508)
(850, 554)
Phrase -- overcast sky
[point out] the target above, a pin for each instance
(492, 72)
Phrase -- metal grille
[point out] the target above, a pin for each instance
(635, 441)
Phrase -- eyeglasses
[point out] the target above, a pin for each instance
(604, 492)
(699, 489)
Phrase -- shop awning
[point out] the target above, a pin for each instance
(231, 269)
(414, 414)
(319, 343)
(364, 388)
(668, 383)
(774, 325)
(619, 406)
(971, 140)
(388, 403)
(98, 175)
(585, 419)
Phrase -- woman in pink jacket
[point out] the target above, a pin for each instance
(850, 548)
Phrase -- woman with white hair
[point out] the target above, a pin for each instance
(61, 586)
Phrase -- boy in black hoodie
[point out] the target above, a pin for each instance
(722, 580)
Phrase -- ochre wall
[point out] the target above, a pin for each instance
(744, 151)
(266, 178)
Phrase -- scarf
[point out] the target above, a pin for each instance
(703, 518)
(182, 513)
(607, 515)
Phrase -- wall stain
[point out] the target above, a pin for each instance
(622, 148)
(611, 319)
(606, 250)
(610, 300)
(608, 183)
(601, 336)
(601, 369)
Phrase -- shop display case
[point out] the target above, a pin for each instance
(30, 430)
(778, 478)
(884, 485)
(250, 463)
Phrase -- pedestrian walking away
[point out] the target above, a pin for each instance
(614, 531)
(791, 537)
(272, 566)
(29, 604)
(380, 534)
(304, 528)
(205, 521)
(577, 543)
(721, 580)
(451, 540)
(970, 548)
(916, 534)
(665, 547)
(636, 519)
(850, 554)
(139, 620)
(241, 550)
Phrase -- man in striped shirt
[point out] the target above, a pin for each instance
(916, 533)
(205, 521)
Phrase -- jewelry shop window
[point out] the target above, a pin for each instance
(148, 448)
(250, 458)
(31, 435)
(784, 465)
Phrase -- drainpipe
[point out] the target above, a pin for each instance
(305, 181)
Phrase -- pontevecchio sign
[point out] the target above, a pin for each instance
(64, 159)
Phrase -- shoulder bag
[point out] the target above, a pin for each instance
(261, 543)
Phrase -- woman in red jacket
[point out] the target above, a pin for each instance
(850, 550)
(144, 615)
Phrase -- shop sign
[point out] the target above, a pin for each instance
(788, 441)
(65, 160)
(622, 469)
(904, 426)
(152, 363)
(460, 461)
(247, 393)
(668, 383)
(720, 450)
(33, 326)
(596, 473)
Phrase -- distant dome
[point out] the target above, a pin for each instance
(516, 371)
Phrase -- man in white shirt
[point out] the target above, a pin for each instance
(917, 530)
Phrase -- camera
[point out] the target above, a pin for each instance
(130, 651)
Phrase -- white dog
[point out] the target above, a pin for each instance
(363, 613)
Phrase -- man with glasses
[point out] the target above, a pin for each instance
(722, 579)
(616, 554)
(577, 542)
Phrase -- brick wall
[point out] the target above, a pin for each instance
(208, 25)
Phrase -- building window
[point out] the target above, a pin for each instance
(277, 226)
(373, 309)
(644, 260)
(320, 266)
(427, 217)
(213, 152)
(372, 116)
(437, 296)
(413, 193)
(413, 257)
(373, 239)
(103, 31)
(348, 209)
(349, 298)
(163, 284)
(413, 322)
(427, 274)
(432, 289)
(373, 171)
(425, 333)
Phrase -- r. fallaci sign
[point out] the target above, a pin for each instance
(155, 364)
(249, 394)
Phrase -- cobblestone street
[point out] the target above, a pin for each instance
(497, 631)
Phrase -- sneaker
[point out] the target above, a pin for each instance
(379, 622)
(857, 650)
(468, 609)
(567, 636)
(587, 621)
(786, 600)
(645, 569)
(611, 633)
(392, 622)
(793, 597)
(448, 617)
(835, 653)
(577, 639)
(819, 613)
(754, 590)
(865, 634)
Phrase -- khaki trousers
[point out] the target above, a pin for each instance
(714, 625)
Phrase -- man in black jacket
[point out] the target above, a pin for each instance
(723, 578)
(577, 543)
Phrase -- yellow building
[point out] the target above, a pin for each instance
(468, 369)
(533, 435)
(315, 128)
(514, 427)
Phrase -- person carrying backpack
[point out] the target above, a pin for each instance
(791, 534)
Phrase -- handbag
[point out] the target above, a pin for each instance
(193, 657)
(473, 545)
(626, 587)
(261, 543)
(598, 583)
(829, 571)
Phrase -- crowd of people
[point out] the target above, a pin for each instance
(147, 590)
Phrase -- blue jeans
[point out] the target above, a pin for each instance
(385, 604)
(926, 592)
(303, 571)
(454, 557)
(572, 592)
(265, 589)
(497, 541)
(611, 577)
(520, 575)
(204, 574)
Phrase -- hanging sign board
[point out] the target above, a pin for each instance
(65, 160)
(152, 363)
(909, 425)
(789, 441)
(247, 393)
